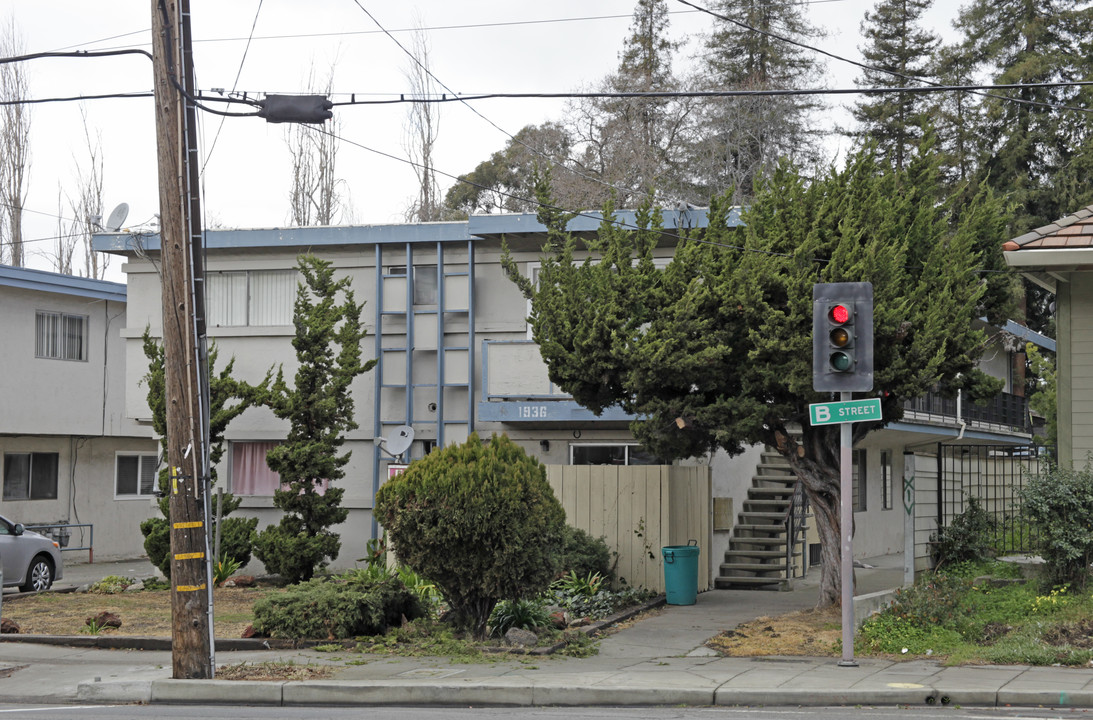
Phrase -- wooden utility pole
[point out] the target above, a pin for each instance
(183, 341)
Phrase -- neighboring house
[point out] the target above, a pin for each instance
(454, 354)
(70, 454)
(1059, 258)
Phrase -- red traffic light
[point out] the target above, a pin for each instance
(840, 314)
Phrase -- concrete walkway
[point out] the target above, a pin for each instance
(658, 661)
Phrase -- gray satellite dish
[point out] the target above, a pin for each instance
(117, 217)
(401, 437)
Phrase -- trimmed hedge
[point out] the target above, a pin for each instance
(334, 609)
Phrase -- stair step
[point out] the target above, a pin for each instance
(772, 478)
(756, 541)
(727, 568)
(777, 517)
(777, 504)
(771, 492)
(774, 554)
(724, 583)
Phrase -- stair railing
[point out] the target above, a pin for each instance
(794, 521)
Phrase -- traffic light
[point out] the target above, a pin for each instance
(842, 337)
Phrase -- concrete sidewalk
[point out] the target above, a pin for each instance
(658, 661)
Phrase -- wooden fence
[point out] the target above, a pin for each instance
(638, 509)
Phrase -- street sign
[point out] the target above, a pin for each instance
(850, 411)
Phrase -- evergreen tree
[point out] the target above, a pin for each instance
(228, 398)
(740, 140)
(319, 409)
(722, 336)
(895, 43)
(634, 144)
(1025, 145)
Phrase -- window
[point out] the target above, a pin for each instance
(858, 480)
(886, 479)
(588, 454)
(30, 476)
(425, 282)
(135, 475)
(256, 298)
(59, 336)
(249, 473)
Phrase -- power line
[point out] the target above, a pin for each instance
(512, 137)
(864, 66)
(238, 74)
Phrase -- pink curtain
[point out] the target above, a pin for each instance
(251, 475)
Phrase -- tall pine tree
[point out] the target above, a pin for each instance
(319, 410)
(895, 43)
(740, 140)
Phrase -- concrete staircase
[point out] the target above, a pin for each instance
(757, 556)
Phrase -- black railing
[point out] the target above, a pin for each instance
(1004, 409)
(994, 476)
(794, 521)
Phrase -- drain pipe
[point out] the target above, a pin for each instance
(960, 414)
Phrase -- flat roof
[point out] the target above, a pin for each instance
(44, 281)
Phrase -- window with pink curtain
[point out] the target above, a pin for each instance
(249, 473)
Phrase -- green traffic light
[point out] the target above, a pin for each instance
(841, 362)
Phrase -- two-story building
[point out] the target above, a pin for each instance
(451, 337)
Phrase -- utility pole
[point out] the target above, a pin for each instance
(185, 358)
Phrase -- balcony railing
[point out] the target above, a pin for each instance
(1004, 410)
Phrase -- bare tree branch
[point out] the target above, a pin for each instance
(14, 147)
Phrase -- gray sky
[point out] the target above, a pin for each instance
(247, 174)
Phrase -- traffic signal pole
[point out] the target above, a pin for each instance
(846, 529)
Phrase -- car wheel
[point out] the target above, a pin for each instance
(39, 576)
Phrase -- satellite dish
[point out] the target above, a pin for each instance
(400, 440)
(117, 217)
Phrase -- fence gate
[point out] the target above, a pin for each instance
(994, 475)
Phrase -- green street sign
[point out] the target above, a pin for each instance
(845, 412)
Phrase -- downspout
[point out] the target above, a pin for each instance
(960, 414)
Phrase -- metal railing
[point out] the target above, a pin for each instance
(1005, 409)
(794, 520)
(61, 533)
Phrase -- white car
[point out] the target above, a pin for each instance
(31, 561)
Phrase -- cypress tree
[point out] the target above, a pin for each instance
(319, 410)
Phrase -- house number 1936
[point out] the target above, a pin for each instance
(532, 412)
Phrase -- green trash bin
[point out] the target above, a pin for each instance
(681, 573)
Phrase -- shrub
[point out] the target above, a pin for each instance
(236, 541)
(585, 555)
(335, 609)
(480, 521)
(525, 614)
(1059, 504)
(967, 538)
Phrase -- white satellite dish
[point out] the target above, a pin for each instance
(117, 217)
(401, 437)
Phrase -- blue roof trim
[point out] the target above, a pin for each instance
(1029, 335)
(483, 225)
(953, 432)
(300, 237)
(52, 282)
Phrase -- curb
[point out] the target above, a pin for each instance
(498, 692)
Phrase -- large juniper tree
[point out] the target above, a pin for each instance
(319, 410)
(722, 336)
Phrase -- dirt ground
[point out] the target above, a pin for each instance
(808, 632)
(146, 613)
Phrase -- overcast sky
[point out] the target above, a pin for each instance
(476, 46)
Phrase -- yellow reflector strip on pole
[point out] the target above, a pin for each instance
(187, 525)
(190, 556)
(190, 588)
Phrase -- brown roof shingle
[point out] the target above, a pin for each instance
(1073, 231)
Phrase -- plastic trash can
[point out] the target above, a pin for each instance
(681, 573)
